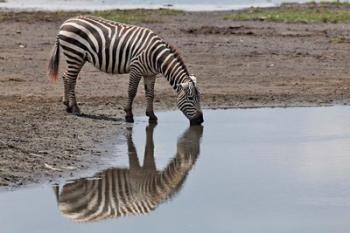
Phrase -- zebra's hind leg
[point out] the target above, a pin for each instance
(65, 99)
(132, 90)
(69, 87)
(149, 82)
(69, 79)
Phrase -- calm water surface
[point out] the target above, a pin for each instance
(194, 5)
(255, 170)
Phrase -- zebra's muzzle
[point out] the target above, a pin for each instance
(197, 120)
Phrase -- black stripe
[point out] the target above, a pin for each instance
(70, 28)
(108, 44)
(156, 53)
(128, 53)
(115, 45)
(142, 38)
(137, 38)
(123, 47)
(73, 41)
(72, 51)
(72, 58)
(97, 36)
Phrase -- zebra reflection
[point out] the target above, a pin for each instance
(135, 191)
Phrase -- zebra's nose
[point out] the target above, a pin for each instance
(197, 120)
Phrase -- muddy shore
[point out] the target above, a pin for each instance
(238, 64)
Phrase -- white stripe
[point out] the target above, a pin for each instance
(103, 43)
(165, 60)
(81, 40)
(171, 63)
(161, 53)
(141, 47)
(154, 51)
(126, 57)
(137, 43)
(73, 47)
(120, 42)
(87, 32)
(74, 55)
(111, 45)
(101, 22)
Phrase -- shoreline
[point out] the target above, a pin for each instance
(239, 64)
(183, 7)
(88, 6)
(210, 8)
(60, 176)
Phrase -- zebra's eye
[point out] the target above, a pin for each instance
(190, 98)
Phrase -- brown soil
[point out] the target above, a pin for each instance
(238, 64)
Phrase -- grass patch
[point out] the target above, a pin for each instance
(123, 16)
(136, 16)
(324, 12)
(334, 3)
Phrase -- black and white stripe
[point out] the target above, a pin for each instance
(120, 48)
(135, 191)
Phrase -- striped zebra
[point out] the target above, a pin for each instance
(118, 48)
(138, 190)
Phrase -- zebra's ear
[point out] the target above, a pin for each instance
(193, 78)
(182, 86)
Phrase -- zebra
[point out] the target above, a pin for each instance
(119, 192)
(118, 48)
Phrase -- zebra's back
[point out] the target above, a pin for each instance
(110, 46)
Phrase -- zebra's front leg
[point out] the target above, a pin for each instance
(149, 82)
(148, 160)
(133, 85)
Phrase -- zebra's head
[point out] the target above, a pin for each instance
(188, 101)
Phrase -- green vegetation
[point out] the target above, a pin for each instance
(123, 16)
(334, 3)
(136, 16)
(324, 12)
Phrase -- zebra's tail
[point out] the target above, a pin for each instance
(54, 61)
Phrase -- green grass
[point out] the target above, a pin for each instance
(333, 12)
(333, 3)
(136, 16)
(123, 16)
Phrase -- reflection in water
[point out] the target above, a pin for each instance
(138, 190)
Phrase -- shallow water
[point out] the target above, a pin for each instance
(194, 5)
(252, 170)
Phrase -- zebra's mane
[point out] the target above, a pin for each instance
(177, 56)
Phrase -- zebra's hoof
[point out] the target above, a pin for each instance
(153, 120)
(68, 109)
(75, 110)
(129, 119)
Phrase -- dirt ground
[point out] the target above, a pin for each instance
(238, 64)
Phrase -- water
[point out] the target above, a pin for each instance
(254, 170)
(194, 5)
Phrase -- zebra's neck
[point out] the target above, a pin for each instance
(174, 176)
(171, 65)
